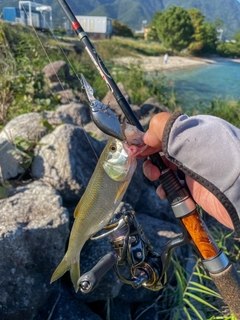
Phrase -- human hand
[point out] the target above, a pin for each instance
(203, 197)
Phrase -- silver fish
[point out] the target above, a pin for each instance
(104, 192)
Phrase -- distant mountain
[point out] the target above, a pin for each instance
(134, 12)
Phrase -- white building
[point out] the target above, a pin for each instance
(96, 27)
(29, 13)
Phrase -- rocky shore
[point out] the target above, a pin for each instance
(36, 212)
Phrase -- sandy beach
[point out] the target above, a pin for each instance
(151, 64)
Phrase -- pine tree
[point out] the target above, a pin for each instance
(174, 28)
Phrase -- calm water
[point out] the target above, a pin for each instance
(205, 83)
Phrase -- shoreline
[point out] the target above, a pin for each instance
(151, 64)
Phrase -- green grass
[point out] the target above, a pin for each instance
(193, 296)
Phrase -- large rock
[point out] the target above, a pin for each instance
(67, 96)
(28, 126)
(73, 113)
(33, 234)
(152, 106)
(94, 132)
(150, 202)
(57, 70)
(10, 162)
(110, 100)
(66, 307)
(66, 159)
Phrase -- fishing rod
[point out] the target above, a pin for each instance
(215, 261)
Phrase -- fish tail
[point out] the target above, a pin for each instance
(75, 274)
(63, 267)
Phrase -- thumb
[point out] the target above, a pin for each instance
(153, 136)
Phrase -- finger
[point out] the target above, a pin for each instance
(153, 136)
(150, 171)
(146, 152)
(161, 192)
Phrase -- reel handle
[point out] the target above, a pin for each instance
(89, 280)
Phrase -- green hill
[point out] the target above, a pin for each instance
(133, 12)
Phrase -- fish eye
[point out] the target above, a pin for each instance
(113, 147)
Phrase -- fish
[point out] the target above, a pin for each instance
(102, 196)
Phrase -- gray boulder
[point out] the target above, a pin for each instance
(152, 106)
(67, 96)
(110, 100)
(33, 234)
(10, 162)
(57, 70)
(69, 308)
(73, 113)
(94, 132)
(148, 109)
(150, 202)
(66, 159)
(28, 126)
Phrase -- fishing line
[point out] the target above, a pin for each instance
(68, 61)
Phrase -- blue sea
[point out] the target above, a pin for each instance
(201, 84)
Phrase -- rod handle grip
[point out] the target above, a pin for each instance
(228, 284)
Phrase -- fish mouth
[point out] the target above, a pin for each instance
(133, 143)
(132, 149)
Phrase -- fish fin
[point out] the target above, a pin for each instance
(121, 190)
(76, 209)
(63, 267)
(75, 274)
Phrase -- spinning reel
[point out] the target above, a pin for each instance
(132, 258)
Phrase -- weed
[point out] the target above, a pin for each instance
(23, 151)
(228, 110)
(193, 296)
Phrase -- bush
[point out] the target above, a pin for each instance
(228, 49)
(230, 111)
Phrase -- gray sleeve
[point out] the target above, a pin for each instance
(207, 149)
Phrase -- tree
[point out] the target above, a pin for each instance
(236, 37)
(122, 30)
(174, 27)
(210, 38)
(152, 33)
(199, 30)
